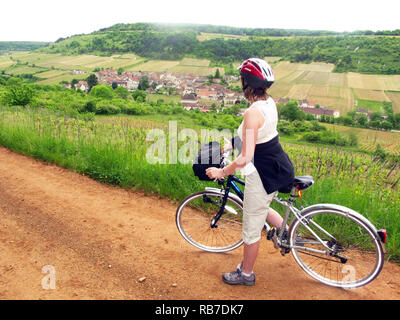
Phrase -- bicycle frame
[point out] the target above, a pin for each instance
(231, 183)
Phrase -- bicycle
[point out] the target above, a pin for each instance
(331, 243)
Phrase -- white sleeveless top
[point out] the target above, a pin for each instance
(268, 130)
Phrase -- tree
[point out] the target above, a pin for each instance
(376, 116)
(122, 92)
(347, 121)
(139, 95)
(92, 81)
(217, 74)
(362, 120)
(386, 125)
(90, 106)
(18, 94)
(396, 120)
(73, 83)
(114, 85)
(291, 112)
(143, 83)
(102, 91)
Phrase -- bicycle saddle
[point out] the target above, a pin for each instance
(303, 182)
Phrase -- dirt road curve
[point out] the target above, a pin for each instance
(101, 240)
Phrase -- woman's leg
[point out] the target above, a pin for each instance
(255, 212)
(250, 253)
(255, 209)
(275, 218)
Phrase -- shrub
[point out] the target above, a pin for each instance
(18, 95)
(102, 92)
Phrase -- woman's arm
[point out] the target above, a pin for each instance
(251, 124)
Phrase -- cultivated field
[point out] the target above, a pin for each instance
(369, 139)
(53, 68)
(5, 62)
(208, 36)
(315, 81)
(154, 66)
(81, 62)
(395, 98)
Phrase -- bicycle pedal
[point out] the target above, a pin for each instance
(270, 233)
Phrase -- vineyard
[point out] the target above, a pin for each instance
(114, 152)
(369, 139)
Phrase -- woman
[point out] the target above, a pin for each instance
(267, 167)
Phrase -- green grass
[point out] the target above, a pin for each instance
(376, 106)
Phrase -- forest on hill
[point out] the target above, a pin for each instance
(348, 52)
(6, 46)
(260, 32)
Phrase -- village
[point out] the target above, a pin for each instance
(197, 92)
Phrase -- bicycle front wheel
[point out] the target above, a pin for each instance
(336, 248)
(194, 217)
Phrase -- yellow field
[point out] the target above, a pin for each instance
(317, 83)
(194, 62)
(5, 62)
(63, 77)
(200, 71)
(395, 98)
(81, 62)
(154, 66)
(374, 82)
(23, 70)
(51, 74)
(208, 36)
(371, 94)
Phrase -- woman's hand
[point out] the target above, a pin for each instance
(215, 173)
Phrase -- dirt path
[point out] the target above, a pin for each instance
(101, 240)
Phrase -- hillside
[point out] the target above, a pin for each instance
(306, 63)
(348, 52)
(315, 82)
(7, 46)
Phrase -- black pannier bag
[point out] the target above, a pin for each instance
(209, 156)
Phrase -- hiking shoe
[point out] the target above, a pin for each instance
(237, 277)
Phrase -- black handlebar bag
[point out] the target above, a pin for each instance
(208, 156)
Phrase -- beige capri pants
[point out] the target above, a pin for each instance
(255, 208)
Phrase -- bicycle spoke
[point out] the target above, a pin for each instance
(354, 256)
(194, 222)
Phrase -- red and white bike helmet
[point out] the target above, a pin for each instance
(257, 73)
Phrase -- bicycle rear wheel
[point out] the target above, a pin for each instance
(194, 216)
(350, 254)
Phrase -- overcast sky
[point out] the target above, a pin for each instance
(48, 20)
